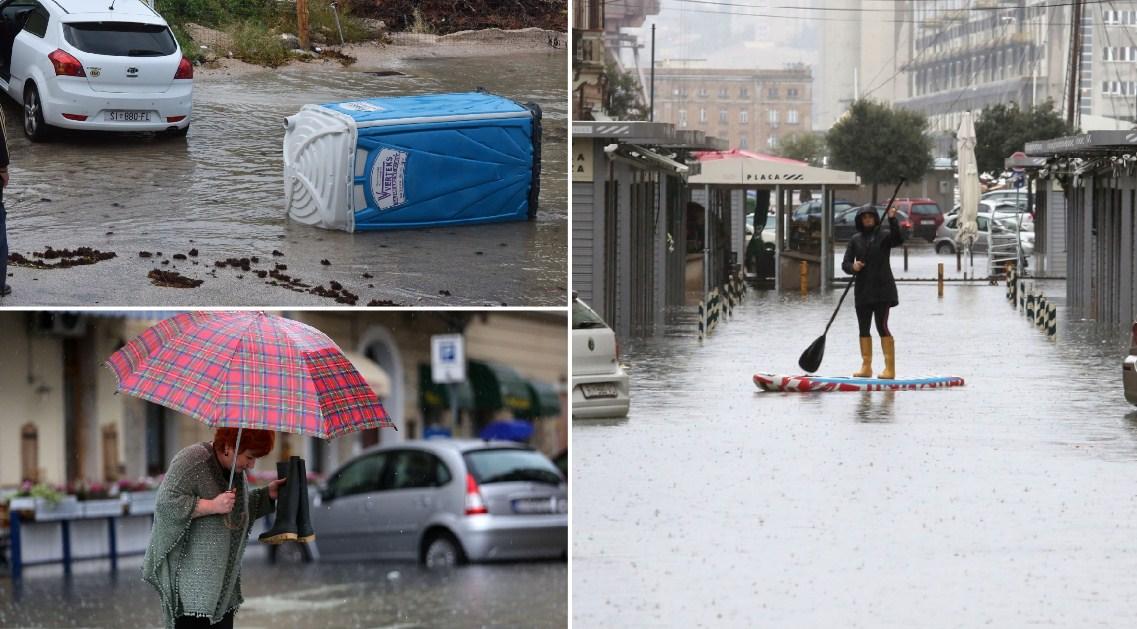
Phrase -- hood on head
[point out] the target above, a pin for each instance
(859, 220)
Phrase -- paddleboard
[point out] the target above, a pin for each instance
(809, 384)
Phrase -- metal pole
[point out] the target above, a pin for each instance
(454, 405)
(335, 11)
(941, 280)
(707, 240)
(779, 233)
(651, 116)
(826, 236)
(233, 467)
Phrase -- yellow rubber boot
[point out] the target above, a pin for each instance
(888, 344)
(866, 358)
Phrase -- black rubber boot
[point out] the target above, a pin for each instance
(284, 526)
(298, 471)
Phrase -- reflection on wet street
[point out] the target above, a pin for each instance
(221, 192)
(1007, 502)
(306, 595)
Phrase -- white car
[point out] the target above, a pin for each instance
(599, 383)
(106, 65)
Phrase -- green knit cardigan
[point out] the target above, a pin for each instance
(195, 563)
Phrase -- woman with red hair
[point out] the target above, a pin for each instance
(201, 526)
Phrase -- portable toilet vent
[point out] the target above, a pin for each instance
(416, 161)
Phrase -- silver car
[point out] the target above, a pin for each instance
(1129, 369)
(1005, 229)
(443, 502)
(599, 383)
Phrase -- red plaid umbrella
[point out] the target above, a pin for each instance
(249, 370)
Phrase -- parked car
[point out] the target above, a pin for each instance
(1129, 368)
(1000, 210)
(926, 216)
(599, 383)
(1004, 231)
(805, 220)
(100, 66)
(443, 502)
(1011, 197)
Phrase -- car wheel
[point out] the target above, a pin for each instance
(945, 247)
(34, 126)
(442, 551)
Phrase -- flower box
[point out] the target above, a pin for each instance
(141, 502)
(102, 508)
(66, 509)
(24, 503)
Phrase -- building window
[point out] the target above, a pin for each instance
(791, 116)
(743, 143)
(682, 117)
(744, 117)
(675, 91)
(772, 92)
(1119, 88)
(722, 92)
(702, 115)
(773, 116)
(744, 92)
(702, 92)
(683, 91)
(772, 142)
(791, 93)
(722, 116)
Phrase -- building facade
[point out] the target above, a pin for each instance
(65, 422)
(965, 56)
(750, 109)
(862, 53)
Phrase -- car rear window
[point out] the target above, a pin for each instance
(926, 209)
(583, 317)
(507, 465)
(121, 39)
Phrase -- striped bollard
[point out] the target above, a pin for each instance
(702, 321)
(1029, 309)
(1051, 321)
(1022, 294)
(1040, 312)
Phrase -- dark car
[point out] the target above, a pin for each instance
(805, 221)
(844, 225)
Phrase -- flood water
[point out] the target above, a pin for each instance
(355, 594)
(221, 191)
(1007, 502)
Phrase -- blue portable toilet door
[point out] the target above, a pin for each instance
(450, 173)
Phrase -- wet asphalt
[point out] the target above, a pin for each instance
(154, 201)
(294, 594)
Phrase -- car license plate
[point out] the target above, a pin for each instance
(536, 506)
(604, 389)
(127, 116)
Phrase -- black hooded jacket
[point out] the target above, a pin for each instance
(874, 283)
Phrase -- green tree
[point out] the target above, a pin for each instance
(806, 147)
(623, 101)
(1001, 130)
(880, 144)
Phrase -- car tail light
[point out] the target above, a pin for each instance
(185, 69)
(77, 117)
(175, 118)
(65, 64)
(617, 350)
(474, 503)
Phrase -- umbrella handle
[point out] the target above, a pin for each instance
(236, 449)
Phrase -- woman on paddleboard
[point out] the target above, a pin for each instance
(867, 259)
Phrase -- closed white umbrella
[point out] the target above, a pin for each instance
(968, 182)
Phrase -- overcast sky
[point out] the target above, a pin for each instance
(706, 32)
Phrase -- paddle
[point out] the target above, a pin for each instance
(811, 358)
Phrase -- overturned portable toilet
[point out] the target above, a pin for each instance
(415, 161)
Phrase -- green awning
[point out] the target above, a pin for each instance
(432, 395)
(546, 401)
(497, 386)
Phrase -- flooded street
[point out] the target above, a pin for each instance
(305, 595)
(1007, 502)
(221, 192)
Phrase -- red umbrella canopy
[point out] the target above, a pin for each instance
(249, 370)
